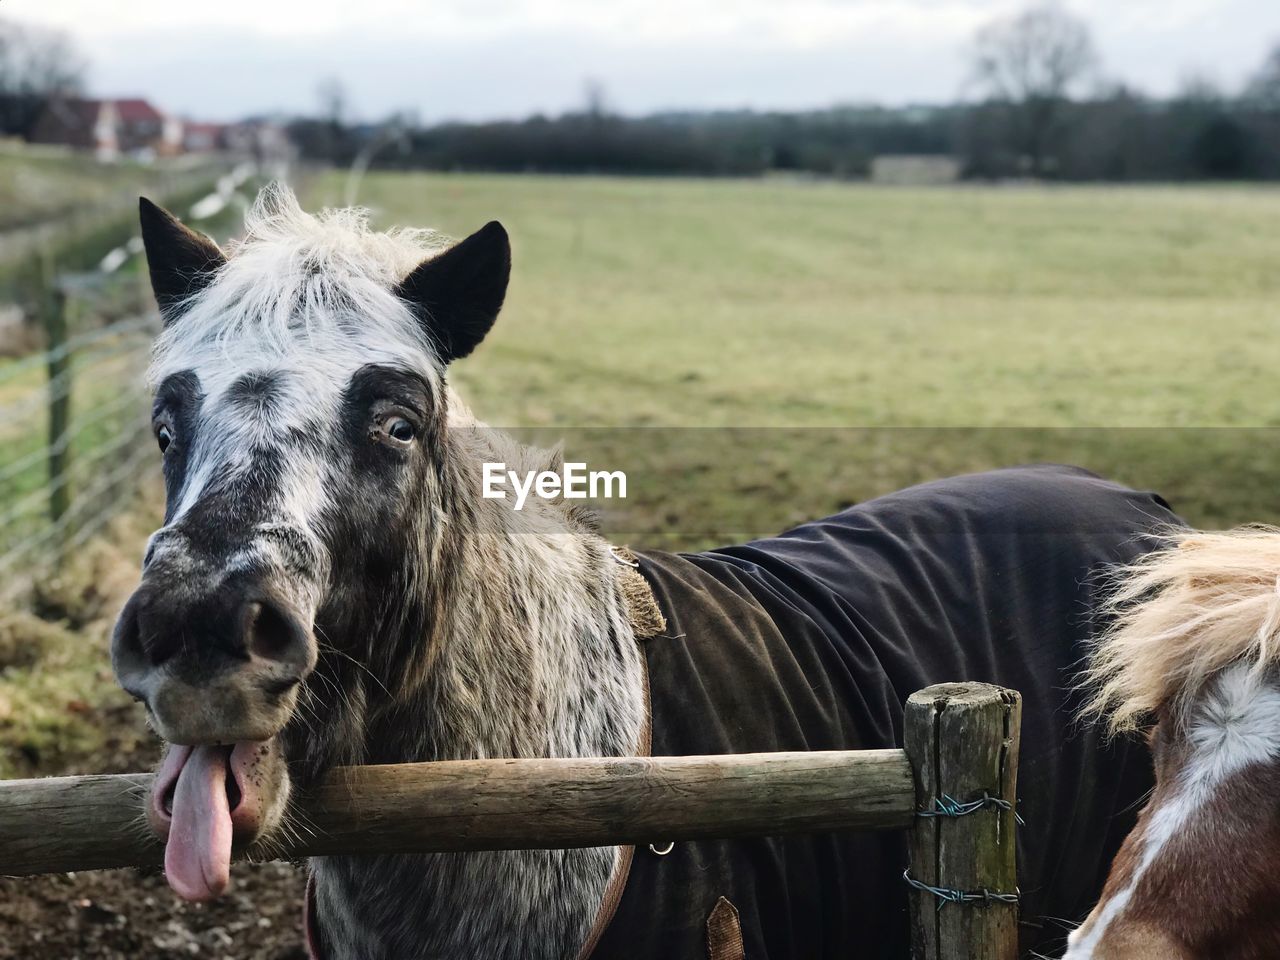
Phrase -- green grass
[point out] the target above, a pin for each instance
(41, 183)
(766, 303)
(1127, 329)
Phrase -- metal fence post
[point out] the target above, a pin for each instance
(962, 741)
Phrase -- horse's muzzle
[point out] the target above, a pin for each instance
(215, 668)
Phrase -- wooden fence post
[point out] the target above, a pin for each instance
(53, 305)
(962, 741)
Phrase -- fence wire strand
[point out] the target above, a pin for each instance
(66, 423)
(132, 397)
(102, 450)
(75, 345)
(104, 484)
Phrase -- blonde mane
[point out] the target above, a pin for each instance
(1178, 616)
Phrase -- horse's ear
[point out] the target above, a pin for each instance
(182, 261)
(457, 294)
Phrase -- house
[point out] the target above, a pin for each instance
(109, 127)
(261, 138)
(144, 128)
(84, 124)
(203, 137)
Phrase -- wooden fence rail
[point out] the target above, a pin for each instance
(78, 823)
(961, 747)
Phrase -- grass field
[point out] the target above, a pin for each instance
(765, 303)
(37, 184)
(875, 337)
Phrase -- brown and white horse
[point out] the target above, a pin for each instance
(1196, 646)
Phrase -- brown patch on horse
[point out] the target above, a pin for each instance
(1212, 890)
(1216, 889)
(1142, 942)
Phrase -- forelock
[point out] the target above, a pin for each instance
(303, 290)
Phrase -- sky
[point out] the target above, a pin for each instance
(487, 59)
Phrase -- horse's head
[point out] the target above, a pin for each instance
(1195, 647)
(300, 413)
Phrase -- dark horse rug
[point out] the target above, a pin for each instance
(814, 639)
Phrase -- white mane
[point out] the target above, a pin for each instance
(302, 283)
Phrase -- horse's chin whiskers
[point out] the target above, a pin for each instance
(1068, 925)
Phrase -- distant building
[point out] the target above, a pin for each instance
(203, 137)
(260, 138)
(109, 127)
(914, 169)
(84, 124)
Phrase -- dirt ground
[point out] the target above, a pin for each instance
(132, 914)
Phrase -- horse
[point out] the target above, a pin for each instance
(1193, 654)
(330, 586)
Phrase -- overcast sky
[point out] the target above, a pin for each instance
(478, 59)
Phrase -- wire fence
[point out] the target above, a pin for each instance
(75, 440)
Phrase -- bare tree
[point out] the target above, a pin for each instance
(1031, 63)
(37, 61)
(35, 64)
(595, 99)
(333, 101)
(1263, 88)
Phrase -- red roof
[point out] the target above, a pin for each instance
(137, 110)
(212, 129)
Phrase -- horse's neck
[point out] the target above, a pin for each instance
(535, 657)
(539, 660)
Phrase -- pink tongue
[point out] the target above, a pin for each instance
(197, 859)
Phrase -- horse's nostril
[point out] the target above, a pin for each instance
(272, 634)
(166, 800)
(127, 650)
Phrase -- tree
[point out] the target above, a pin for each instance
(332, 93)
(1263, 88)
(1261, 101)
(1030, 63)
(327, 136)
(35, 64)
(595, 99)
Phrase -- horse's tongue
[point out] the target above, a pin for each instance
(197, 859)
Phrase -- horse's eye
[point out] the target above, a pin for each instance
(164, 437)
(398, 429)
